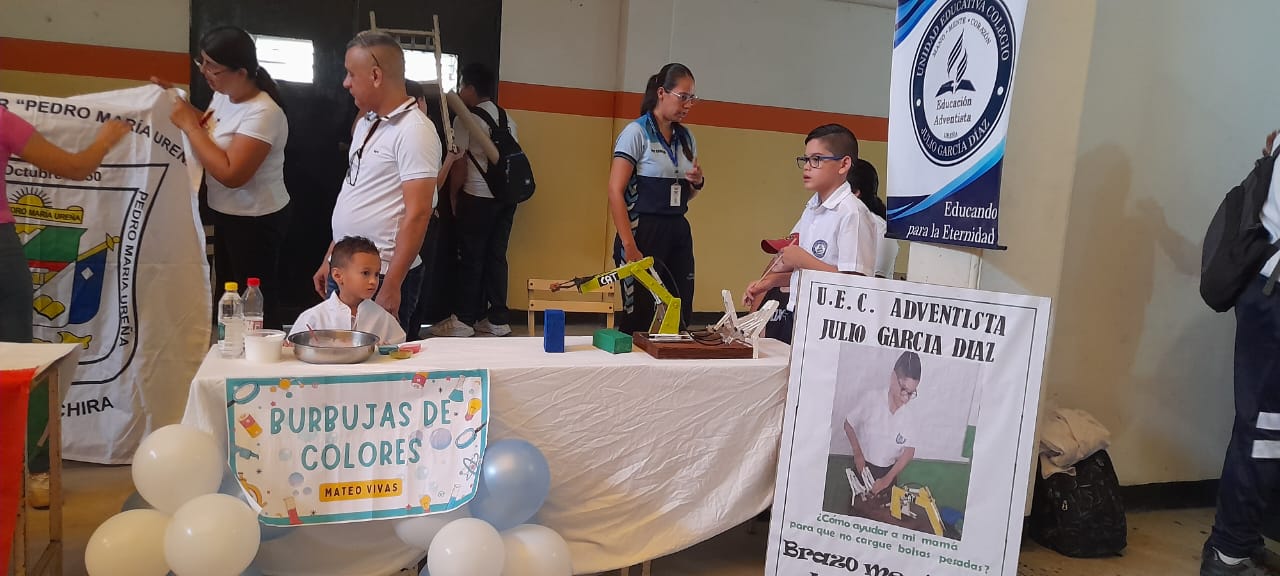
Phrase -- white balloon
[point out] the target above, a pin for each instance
(175, 464)
(420, 531)
(466, 547)
(130, 543)
(212, 535)
(534, 550)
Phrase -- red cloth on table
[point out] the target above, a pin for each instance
(15, 387)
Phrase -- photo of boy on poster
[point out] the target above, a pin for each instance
(881, 434)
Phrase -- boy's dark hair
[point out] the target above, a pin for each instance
(839, 139)
(866, 181)
(350, 246)
(480, 77)
(908, 366)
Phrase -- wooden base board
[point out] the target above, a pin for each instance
(690, 350)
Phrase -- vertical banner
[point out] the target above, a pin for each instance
(331, 449)
(909, 430)
(953, 71)
(118, 264)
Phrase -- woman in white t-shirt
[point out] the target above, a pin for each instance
(240, 141)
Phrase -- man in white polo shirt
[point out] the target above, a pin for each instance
(390, 186)
(836, 231)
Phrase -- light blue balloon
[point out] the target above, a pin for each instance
(424, 572)
(135, 501)
(514, 483)
(251, 571)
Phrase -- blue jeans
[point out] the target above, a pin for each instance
(1251, 472)
(409, 291)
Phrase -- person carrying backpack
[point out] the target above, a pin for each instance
(1251, 471)
(485, 208)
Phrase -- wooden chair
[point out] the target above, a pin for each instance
(542, 299)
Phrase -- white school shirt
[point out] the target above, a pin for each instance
(882, 435)
(332, 314)
(841, 232)
(475, 184)
(404, 146)
(262, 119)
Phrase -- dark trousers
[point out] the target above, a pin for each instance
(782, 324)
(249, 247)
(16, 291)
(409, 290)
(1252, 467)
(669, 240)
(427, 290)
(440, 288)
(484, 229)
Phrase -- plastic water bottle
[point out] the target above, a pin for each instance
(230, 323)
(253, 305)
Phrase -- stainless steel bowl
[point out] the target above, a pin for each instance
(333, 346)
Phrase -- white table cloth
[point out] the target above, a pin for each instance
(42, 357)
(647, 456)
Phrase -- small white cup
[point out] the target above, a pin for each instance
(263, 346)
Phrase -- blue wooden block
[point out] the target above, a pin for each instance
(553, 331)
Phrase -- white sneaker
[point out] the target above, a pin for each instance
(495, 329)
(451, 328)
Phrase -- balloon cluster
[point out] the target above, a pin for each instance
(190, 528)
(497, 539)
(187, 517)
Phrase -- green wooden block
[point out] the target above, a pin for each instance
(611, 341)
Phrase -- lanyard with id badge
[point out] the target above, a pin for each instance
(676, 196)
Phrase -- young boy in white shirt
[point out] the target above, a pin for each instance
(836, 231)
(354, 265)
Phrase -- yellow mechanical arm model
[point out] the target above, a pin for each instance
(666, 308)
(902, 498)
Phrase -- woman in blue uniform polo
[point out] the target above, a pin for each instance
(654, 174)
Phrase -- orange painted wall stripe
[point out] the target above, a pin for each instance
(607, 104)
(100, 61)
(557, 100)
(132, 64)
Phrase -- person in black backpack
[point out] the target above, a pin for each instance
(1251, 471)
(484, 216)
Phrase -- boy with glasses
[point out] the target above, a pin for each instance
(881, 430)
(836, 231)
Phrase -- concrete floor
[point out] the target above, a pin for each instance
(1160, 543)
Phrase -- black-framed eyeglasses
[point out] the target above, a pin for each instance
(686, 98)
(200, 65)
(353, 163)
(815, 161)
